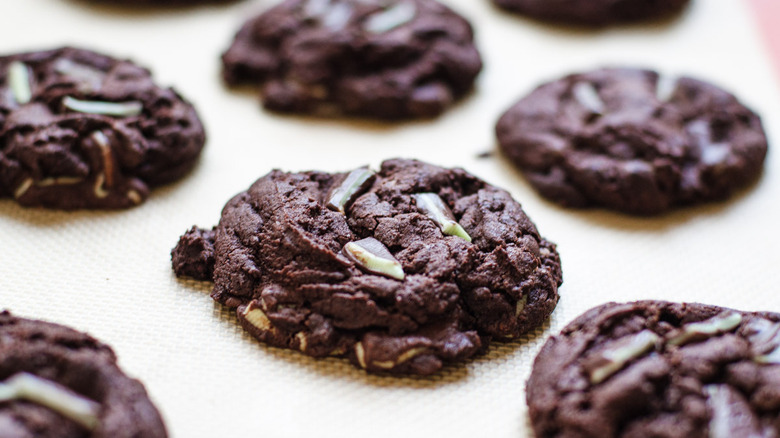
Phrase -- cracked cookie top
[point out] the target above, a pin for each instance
(400, 270)
(82, 130)
(633, 140)
(594, 13)
(386, 59)
(659, 369)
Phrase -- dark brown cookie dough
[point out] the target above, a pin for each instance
(659, 369)
(56, 382)
(194, 255)
(82, 130)
(401, 271)
(594, 12)
(387, 59)
(159, 3)
(633, 141)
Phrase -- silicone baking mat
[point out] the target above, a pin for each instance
(109, 273)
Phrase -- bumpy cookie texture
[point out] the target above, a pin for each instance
(633, 141)
(82, 130)
(355, 264)
(659, 369)
(387, 59)
(194, 255)
(56, 382)
(594, 13)
(154, 3)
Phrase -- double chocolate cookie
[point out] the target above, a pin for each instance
(594, 12)
(56, 382)
(401, 270)
(387, 59)
(82, 130)
(633, 140)
(659, 369)
(153, 3)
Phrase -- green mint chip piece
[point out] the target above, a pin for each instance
(90, 78)
(19, 82)
(665, 87)
(118, 109)
(373, 256)
(587, 96)
(337, 16)
(732, 415)
(615, 357)
(355, 183)
(771, 358)
(24, 386)
(764, 337)
(721, 323)
(392, 17)
(435, 208)
(315, 8)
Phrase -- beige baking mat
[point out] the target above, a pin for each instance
(109, 273)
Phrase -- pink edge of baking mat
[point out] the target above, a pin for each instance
(767, 15)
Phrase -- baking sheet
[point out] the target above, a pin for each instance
(108, 273)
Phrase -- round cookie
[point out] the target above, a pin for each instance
(594, 13)
(386, 59)
(401, 270)
(56, 382)
(163, 3)
(659, 369)
(633, 141)
(82, 130)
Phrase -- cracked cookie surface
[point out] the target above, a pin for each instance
(401, 270)
(159, 3)
(594, 13)
(386, 59)
(56, 382)
(633, 141)
(82, 130)
(659, 369)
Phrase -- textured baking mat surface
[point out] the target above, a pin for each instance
(108, 273)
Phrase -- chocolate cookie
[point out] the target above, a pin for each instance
(659, 369)
(387, 59)
(164, 3)
(400, 270)
(83, 130)
(56, 382)
(633, 141)
(594, 12)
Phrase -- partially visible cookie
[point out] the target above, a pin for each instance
(632, 140)
(401, 270)
(387, 59)
(56, 382)
(162, 3)
(82, 130)
(594, 12)
(659, 369)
